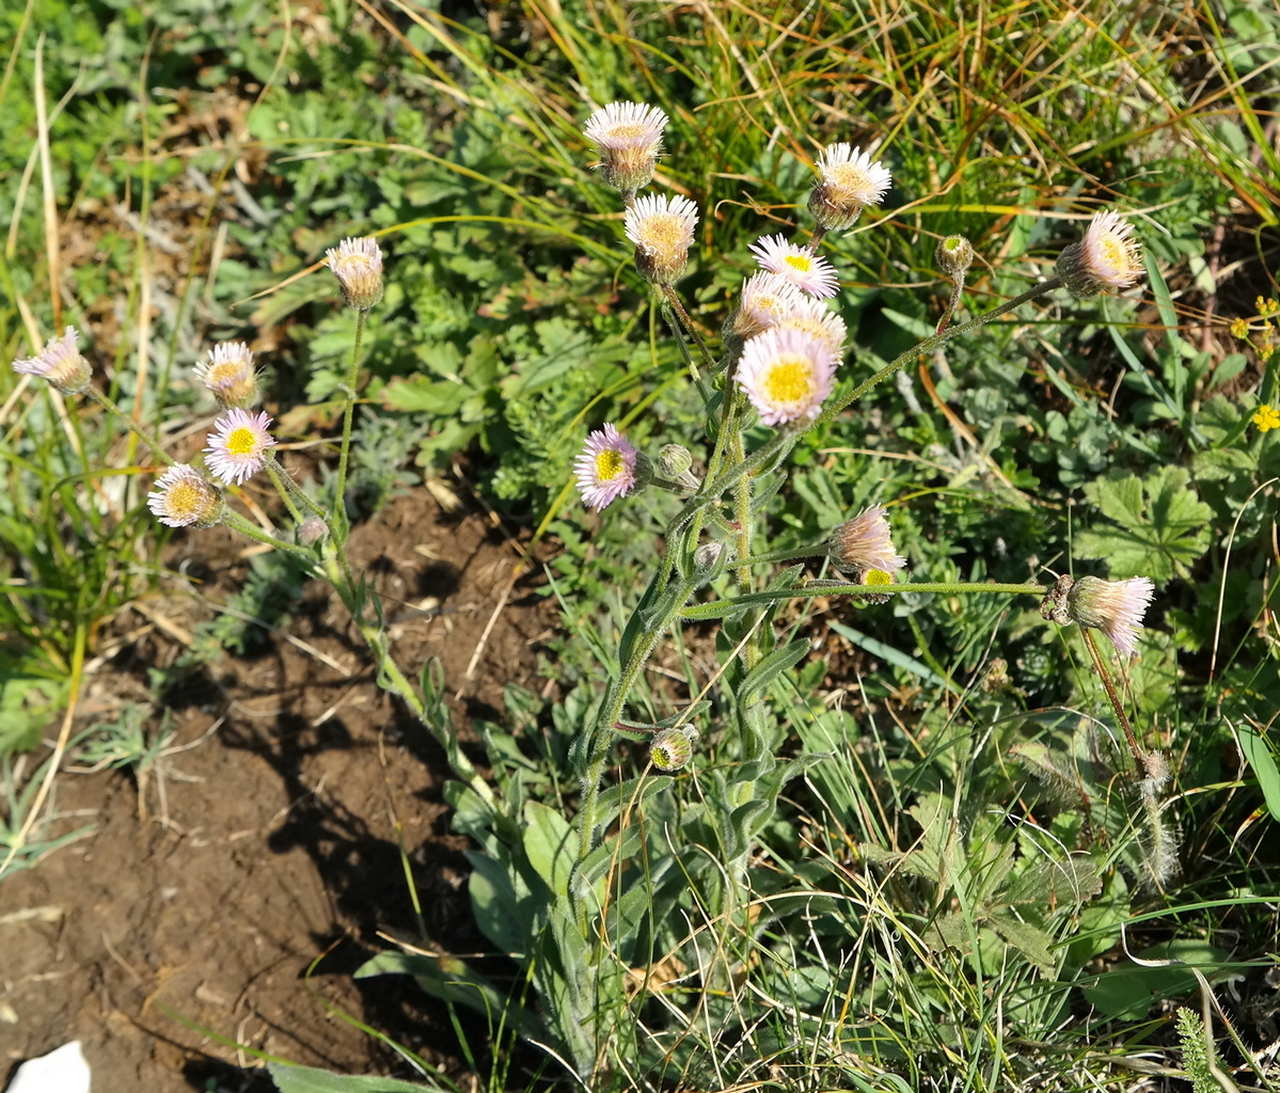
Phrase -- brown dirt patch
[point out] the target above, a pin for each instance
(275, 841)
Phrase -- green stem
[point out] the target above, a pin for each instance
(742, 515)
(716, 608)
(1109, 686)
(677, 305)
(729, 478)
(930, 343)
(238, 523)
(615, 701)
(341, 525)
(296, 492)
(957, 290)
(816, 550)
(277, 480)
(144, 434)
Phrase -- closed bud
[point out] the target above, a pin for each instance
(672, 748)
(674, 460)
(954, 256)
(709, 561)
(311, 531)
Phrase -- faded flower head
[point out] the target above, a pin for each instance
(671, 749)
(809, 272)
(357, 264)
(229, 375)
(60, 363)
(239, 446)
(662, 230)
(311, 531)
(814, 317)
(605, 468)
(848, 181)
(628, 136)
(1114, 607)
(766, 300)
(182, 497)
(787, 374)
(864, 546)
(1107, 258)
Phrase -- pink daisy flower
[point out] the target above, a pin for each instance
(814, 317)
(239, 446)
(787, 374)
(807, 271)
(864, 544)
(229, 375)
(605, 468)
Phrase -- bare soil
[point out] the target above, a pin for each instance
(217, 911)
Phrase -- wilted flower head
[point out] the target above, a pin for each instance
(229, 375)
(814, 317)
(671, 749)
(1114, 607)
(181, 497)
(786, 374)
(662, 230)
(1108, 257)
(848, 181)
(238, 446)
(766, 300)
(864, 546)
(605, 468)
(807, 271)
(357, 264)
(628, 136)
(60, 363)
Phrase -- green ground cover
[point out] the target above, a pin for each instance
(934, 896)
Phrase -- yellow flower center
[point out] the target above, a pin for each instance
(242, 441)
(789, 381)
(182, 499)
(222, 374)
(627, 131)
(663, 235)
(877, 577)
(1114, 252)
(609, 464)
(848, 179)
(801, 262)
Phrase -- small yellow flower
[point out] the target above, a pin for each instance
(1266, 418)
(1267, 308)
(1239, 329)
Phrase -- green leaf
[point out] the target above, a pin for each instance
(1260, 752)
(548, 843)
(1129, 992)
(1157, 527)
(777, 662)
(306, 1079)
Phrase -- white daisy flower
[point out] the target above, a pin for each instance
(1107, 258)
(809, 272)
(238, 446)
(848, 181)
(605, 469)
(786, 374)
(357, 264)
(815, 317)
(628, 136)
(229, 375)
(60, 363)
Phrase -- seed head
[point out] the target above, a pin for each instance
(60, 363)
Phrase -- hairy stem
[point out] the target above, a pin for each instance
(348, 416)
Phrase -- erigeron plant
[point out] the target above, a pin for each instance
(560, 888)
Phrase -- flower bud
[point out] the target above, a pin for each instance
(662, 230)
(674, 460)
(954, 256)
(709, 561)
(311, 531)
(672, 748)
